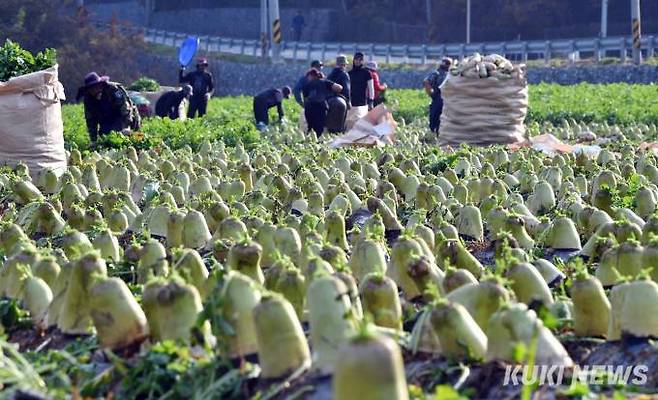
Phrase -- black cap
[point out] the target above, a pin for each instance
(317, 64)
(359, 54)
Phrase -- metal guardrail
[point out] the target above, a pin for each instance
(596, 48)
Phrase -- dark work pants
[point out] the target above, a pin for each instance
(316, 116)
(261, 112)
(197, 104)
(436, 108)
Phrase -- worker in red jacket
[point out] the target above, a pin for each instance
(380, 88)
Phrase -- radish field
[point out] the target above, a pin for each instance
(203, 259)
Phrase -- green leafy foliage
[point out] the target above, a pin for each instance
(144, 84)
(445, 392)
(228, 119)
(12, 316)
(16, 61)
(169, 370)
(618, 103)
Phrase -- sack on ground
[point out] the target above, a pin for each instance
(353, 115)
(31, 126)
(376, 128)
(336, 114)
(483, 111)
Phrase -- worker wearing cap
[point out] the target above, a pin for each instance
(362, 92)
(266, 100)
(432, 86)
(298, 93)
(107, 106)
(340, 76)
(298, 90)
(202, 87)
(168, 104)
(316, 92)
(380, 88)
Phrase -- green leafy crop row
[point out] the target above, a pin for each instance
(228, 119)
(619, 103)
(231, 119)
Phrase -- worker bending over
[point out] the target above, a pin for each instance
(266, 100)
(107, 106)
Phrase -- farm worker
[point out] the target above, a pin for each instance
(432, 86)
(380, 88)
(298, 25)
(362, 91)
(301, 82)
(316, 92)
(107, 106)
(202, 86)
(169, 104)
(340, 76)
(297, 91)
(266, 100)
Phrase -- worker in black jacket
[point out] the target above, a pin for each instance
(316, 93)
(168, 104)
(362, 92)
(298, 90)
(202, 86)
(340, 77)
(107, 106)
(266, 100)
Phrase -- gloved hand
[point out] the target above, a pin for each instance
(283, 121)
(208, 96)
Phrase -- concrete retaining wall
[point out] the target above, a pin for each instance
(248, 79)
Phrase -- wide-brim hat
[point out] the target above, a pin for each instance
(93, 78)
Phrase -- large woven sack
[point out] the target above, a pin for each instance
(336, 114)
(353, 115)
(483, 111)
(31, 127)
(377, 128)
